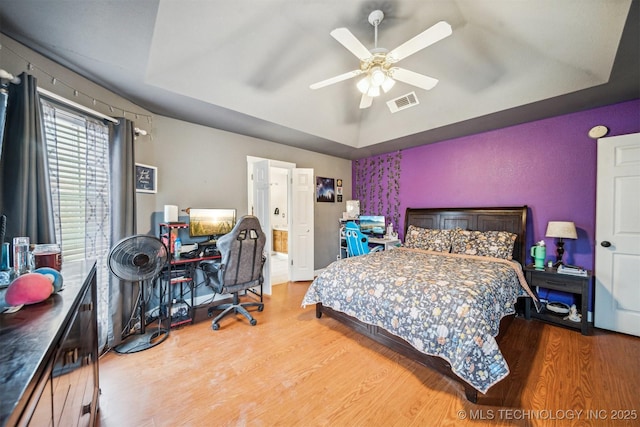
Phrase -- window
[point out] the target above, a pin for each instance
(78, 155)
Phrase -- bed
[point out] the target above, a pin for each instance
(446, 311)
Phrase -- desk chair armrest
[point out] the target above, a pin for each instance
(213, 274)
(210, 266)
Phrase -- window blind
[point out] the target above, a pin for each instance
(78, 156)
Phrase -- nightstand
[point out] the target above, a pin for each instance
(549, 278)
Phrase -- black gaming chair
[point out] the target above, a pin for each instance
(240, 268)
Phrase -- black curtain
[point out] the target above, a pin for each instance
(25, 196)
(123, 220)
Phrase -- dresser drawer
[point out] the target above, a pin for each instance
(557, 282)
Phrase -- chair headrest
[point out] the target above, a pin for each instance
(242, 230)
(352, 226)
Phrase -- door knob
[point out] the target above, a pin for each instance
(605, 244)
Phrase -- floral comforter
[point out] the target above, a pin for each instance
(443, 304)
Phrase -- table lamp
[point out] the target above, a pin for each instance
(561, 230)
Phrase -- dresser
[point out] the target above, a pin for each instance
(49, 356)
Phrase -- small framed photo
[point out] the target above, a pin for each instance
(325, 190)
(338, 182)
(146, 178)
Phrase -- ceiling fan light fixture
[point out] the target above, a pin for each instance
(377, 76)
(373, 91)
(363, 84)
(388, 84)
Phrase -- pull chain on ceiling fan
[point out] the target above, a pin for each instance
(378, 64)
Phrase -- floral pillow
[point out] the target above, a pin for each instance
(428, 239)
(497, 244)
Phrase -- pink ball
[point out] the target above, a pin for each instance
(29, 288)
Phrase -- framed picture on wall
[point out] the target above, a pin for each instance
(146, 178)
(339, 190)
(325, 189)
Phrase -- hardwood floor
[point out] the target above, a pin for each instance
(292, 369)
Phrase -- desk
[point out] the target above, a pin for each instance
(181, 272)
(388, 243)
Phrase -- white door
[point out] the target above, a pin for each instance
(617, 302)
(261, 203)
(301, 235)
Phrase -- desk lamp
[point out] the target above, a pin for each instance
(561, 230)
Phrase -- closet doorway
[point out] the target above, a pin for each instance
(279, 203)
(295, 216)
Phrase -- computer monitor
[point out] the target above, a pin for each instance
(211, 223)
(373, 225)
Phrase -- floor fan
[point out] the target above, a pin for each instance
(139, 259)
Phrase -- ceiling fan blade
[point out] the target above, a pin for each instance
(414, 79)
(348, 40)
(335, 79)
(426, 38)
(366, 101)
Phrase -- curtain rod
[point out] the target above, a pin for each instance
(76, 105)
(5, 75)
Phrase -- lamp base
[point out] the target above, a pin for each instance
(559, 252)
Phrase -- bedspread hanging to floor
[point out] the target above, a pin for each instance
(444, 305)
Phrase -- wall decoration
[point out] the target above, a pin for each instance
(325, 190)
(146, 178)
(377, 186)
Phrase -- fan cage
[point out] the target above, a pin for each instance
(138, 258)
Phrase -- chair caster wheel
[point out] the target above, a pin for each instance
(253, 322)
(260, 308)
(215, 326)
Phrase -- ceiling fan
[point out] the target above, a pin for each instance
(378, 64)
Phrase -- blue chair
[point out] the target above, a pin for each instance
(358, 243)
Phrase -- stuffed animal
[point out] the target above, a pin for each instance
(53, 275)
(32, 288)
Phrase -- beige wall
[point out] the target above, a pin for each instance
(205, 167)
(197, 165)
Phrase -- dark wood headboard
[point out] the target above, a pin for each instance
(511, 219)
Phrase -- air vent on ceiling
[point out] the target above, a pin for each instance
(403, 102)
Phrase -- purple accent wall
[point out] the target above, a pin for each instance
(548, 165)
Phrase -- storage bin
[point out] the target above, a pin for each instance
(550, 295)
